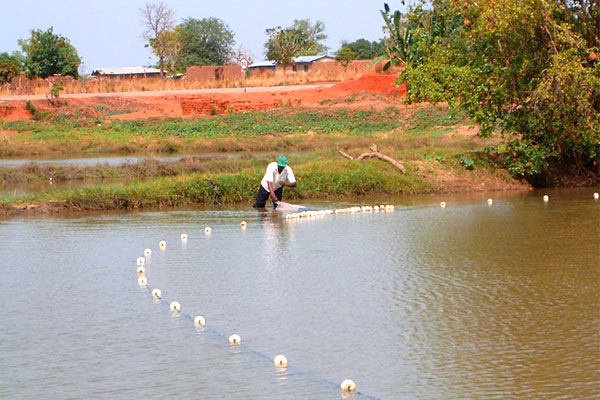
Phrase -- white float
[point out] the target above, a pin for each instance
(141, 261)
(184, 237)
(142, 281)
(348, 385)
(596, 196)
(199, 320)
(156, 293)
(235, 339)
(162, 245)
(243, 224)
(490, 202)
(174, 306)
(207, 230)
(141, 270)
(147, 253)
(280, 361)
(546, 198)
(443, 204)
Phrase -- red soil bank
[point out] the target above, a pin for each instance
(374, 84)
(144, 106)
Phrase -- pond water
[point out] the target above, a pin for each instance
(118, 160)
(469, 301)
(23, 188)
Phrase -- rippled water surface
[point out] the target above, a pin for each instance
(469, 301)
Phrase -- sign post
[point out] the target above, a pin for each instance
(244, 66)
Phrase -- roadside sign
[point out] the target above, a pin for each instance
(244, 64)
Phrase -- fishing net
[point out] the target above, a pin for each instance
(290, 208)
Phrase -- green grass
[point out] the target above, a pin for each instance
(316, 179)
(256, 130)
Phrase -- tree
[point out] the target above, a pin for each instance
(242, 52)
(171, 46)
(158, 21)
(47, 53)
(345, 55)
(300, 39)
(10, 66)
(361, 49)
(207, 41)
(525, 67)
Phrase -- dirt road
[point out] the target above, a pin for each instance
(270, 89)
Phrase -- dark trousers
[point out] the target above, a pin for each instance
(263, 195)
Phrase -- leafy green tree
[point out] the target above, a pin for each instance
(10, 66)
(411, 35)
(158, 20)
(171, 48)
(47, 53)
(528, 68)
(345, 55)
(361, 49)
(300, 39)
(207, 41)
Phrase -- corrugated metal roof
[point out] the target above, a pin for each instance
(297, 60)
(126, 71)
(308, 59)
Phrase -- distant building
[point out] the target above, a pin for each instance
(301, 64)
(127, 72)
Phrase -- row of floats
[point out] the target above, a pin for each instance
(347, 386)
(349, 210)
(280, 361)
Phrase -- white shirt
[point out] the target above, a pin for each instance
(272, 175)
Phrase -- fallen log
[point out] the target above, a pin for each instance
(375, 154)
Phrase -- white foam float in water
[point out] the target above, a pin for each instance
(207, 230)
(162, 245)
(546, 198)
(235, 339)
(174, 306)
(147, 253)
(348, 385)
(443, 204)
(141, 270)
(243, 224)
(141, 261)
(596, 196)
(156, 293)
(490, 201)
(184, 237)
(376, 208)
(280, 361)
(199, 320)
(142, 281)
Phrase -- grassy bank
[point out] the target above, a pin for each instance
(278, 130)
(439, 153)
(146, 169)
(317, 179)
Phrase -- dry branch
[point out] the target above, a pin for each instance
(346, 155)
(375, 154)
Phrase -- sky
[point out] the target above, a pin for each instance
(107, 33)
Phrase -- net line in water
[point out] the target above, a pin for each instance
(245, 348)
(294, 215)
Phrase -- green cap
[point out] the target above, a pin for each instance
(282, 161)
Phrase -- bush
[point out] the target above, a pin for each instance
(524, 67)
(10, 66)
(466, 162)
